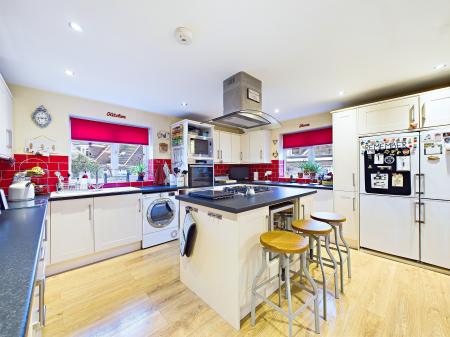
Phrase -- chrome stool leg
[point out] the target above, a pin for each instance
(288, 292)
(255, 282)
(324, 278)
(341, 260)
(349, 265)
(314, 286)
(335, 268)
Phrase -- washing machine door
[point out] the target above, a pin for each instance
(161, 212)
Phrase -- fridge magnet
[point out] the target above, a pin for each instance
(397, 180)
(379, 180)
(432, 149)
(404, 163)
(389, 160)
(379, 159)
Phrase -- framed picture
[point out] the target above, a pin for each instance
(163, 147)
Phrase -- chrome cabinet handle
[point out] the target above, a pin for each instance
(241, 155)
(42, 309)
(303, 212)
(214, 215)
(416, 208)
(8, 139)
(416, 178)
(218, 156)
(353, 180)
(422, 183)
(423, 115)
(260, 154)
(140, 205)
(46, 230)
(411, 114)
(354, 207)
(422, 212)
(90, 212)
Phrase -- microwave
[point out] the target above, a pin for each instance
(200, 147)
(200, 175)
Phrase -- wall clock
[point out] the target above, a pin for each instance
(41, 117)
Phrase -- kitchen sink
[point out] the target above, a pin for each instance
(69, 193)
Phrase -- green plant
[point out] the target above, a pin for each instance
(310, 167)
(139, 169)
(83, 163)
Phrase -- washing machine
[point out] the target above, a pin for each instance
(160, 218)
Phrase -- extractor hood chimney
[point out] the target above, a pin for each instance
(242, 100)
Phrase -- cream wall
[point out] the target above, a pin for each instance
(316, 121)
(60, 107)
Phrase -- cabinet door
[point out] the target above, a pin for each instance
(435, 233)
(225, 147)
(306, 207)
(117, 220)
(395, 115)
(435, 108)
(345, 150)
(216, 141)
(260, 146)
(235, 148)
(72, 229)
(245, 148)
(346, 204)
(6, 115)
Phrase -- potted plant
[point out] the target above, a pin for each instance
(310, 168)
(139, 169)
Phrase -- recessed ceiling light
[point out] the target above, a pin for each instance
(341, 93)
(277, 111)
(69, 72)
(75, 26)
(184, 104)
(440, 66)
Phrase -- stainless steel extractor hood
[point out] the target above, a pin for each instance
(242, 100)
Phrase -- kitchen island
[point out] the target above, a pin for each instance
(227, 254)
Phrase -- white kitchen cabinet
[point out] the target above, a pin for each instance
(393, 115)
(346, 204)
(435, 233)
(435, 108)
(260, 146)
(345, 151)
(245, 148)
(235, 148)
(6, 120)
(306, 207)
(323, 201)
(117, 221)
(72, 229)
(222, 146)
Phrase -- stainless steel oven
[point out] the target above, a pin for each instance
(200, 175)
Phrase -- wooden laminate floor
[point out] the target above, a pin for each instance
(140, 294)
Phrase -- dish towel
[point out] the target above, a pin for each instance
(188, 234)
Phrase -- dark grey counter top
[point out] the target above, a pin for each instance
(288, 184)
(39, 200)
(241, 203)
(20, 237)
(160, 189)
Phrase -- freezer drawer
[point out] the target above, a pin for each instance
(435, 232)
(387, 224)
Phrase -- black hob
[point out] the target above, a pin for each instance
(243, 189)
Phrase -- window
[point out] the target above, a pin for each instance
(113, 162)
(321, 154)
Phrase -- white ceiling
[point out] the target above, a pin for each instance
(305, 52)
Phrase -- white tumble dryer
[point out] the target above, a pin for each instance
(160, 218)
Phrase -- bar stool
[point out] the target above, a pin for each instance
(284, 243)
(315, 230)
(335, 221)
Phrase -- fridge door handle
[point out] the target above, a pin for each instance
(416, 178)
(422, 183)
(422, 212)
(411, 114)
(417, 212)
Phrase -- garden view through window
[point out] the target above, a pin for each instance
(319, 154)
(110, 162)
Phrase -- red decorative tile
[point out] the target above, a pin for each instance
(59, 159)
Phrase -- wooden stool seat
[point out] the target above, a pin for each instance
(311, 227)
(328, 217)
(284, 242)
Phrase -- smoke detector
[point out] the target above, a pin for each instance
(183, 35)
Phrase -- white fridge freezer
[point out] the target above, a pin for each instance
(389, 194)
(435, 196)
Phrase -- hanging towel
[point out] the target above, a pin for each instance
(188, 234)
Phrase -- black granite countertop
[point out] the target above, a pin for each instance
(288, 184)
(241, 203)
(20, 237)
